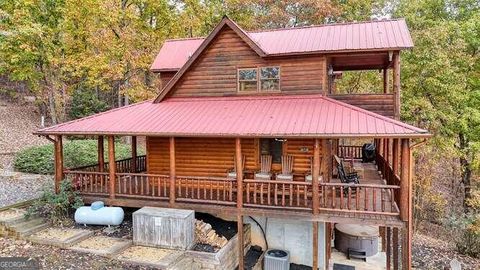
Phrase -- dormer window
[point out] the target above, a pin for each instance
(258, 79)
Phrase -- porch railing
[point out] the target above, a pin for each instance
(390, 177)
(350, 151)
(261, 194)
(278, 194)
(360, 198)
(122, 166)
(215, 190)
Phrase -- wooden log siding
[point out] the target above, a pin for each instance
(213, 157)
(382, 104)
(215, 72)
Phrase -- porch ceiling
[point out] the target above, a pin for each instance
(312, 116)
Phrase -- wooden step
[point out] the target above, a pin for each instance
(28, 227)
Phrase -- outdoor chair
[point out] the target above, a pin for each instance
(308, 175)
(265, 172)
(346, 178)
(287, 169)
(232, 173)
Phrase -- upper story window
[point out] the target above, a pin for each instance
(258, 79)
(247, 79)
(269, 78)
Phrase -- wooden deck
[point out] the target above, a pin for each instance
(369, 202)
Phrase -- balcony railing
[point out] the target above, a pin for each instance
(260, 194)
(350, 151)
(122, 166)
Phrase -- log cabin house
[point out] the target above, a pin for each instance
(232, 98)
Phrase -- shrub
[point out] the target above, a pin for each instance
(76, 153)
(57, 207)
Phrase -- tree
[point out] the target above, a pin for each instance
(441, 78)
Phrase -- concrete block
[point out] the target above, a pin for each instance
(59, 237)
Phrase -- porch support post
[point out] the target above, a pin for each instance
(388, 249)
(315, 199)
(385, 80)
(395, 155)
(133, 166)
(405, 204)
(58, 162)
(395, 248)
(239, 171)
(100, 154)
(404, 180)
(172, 171)
(315, 244)
(111, 165)
(241, 263)
(396, 84)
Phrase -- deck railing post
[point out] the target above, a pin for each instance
(112, 166)
(100, 154)
(172, 171)
(133, 164)
(58, 162)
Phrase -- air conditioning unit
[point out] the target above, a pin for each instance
(276, 259)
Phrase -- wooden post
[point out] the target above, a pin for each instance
(315, 199)
(405, 204)
(315, 175)
(396, 84)
(58, 162)
(328, 240)
(388, 249)
(241, 263)
(172, 171)
(395, 155)
(395, 248)
(239, 170)
(315, 244)
(100, 154)
(383, 232)
(111, 165)
(385, 81)
(133, 166)
(404, 180)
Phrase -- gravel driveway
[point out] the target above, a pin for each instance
(17, 187)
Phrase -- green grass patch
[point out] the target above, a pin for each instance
(76, 153)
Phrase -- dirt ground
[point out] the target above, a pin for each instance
(17, 123)
(56, 258)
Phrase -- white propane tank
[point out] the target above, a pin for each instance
(98, 214)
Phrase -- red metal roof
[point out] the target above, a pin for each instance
(265, 116)
(174, 53)
(361, 36)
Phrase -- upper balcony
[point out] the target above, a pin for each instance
(348, 75)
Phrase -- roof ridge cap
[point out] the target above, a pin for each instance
(323, 25)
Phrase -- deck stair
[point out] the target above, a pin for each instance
(15, 224)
